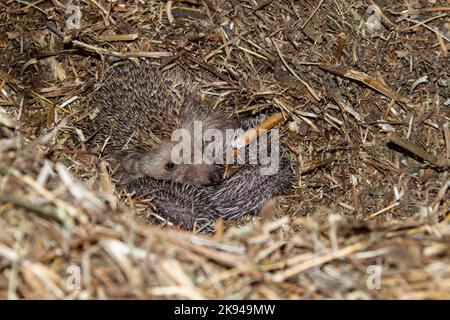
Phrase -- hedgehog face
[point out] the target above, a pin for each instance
(158, 164)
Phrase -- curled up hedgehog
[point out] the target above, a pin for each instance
(138, 109)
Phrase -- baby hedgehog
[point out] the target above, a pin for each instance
(139, 108)
(245, 193)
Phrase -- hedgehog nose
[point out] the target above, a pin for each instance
(215, 177)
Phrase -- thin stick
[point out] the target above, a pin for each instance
(251, 135)
(312, 15)
(415, 149)
(311, 263)
(310, 89)
(52, 213)
(373, 215)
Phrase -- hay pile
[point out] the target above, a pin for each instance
(368, 106)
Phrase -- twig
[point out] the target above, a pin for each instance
(373, 215)
(415, 149)
(311, 263)
(312, 15)
(52, 213)
(310, 89)
(428, 27)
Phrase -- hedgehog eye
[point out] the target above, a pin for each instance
(170, 166)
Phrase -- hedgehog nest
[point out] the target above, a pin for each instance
(365, 88)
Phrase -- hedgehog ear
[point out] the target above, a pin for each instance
(131, 163)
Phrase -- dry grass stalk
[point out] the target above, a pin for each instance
(358, 203)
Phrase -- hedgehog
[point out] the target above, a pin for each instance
(188, 206)
(138, 108)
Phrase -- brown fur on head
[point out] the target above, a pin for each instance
(139, 109)
(159, 164)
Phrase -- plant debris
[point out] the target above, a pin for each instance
(363, 86)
